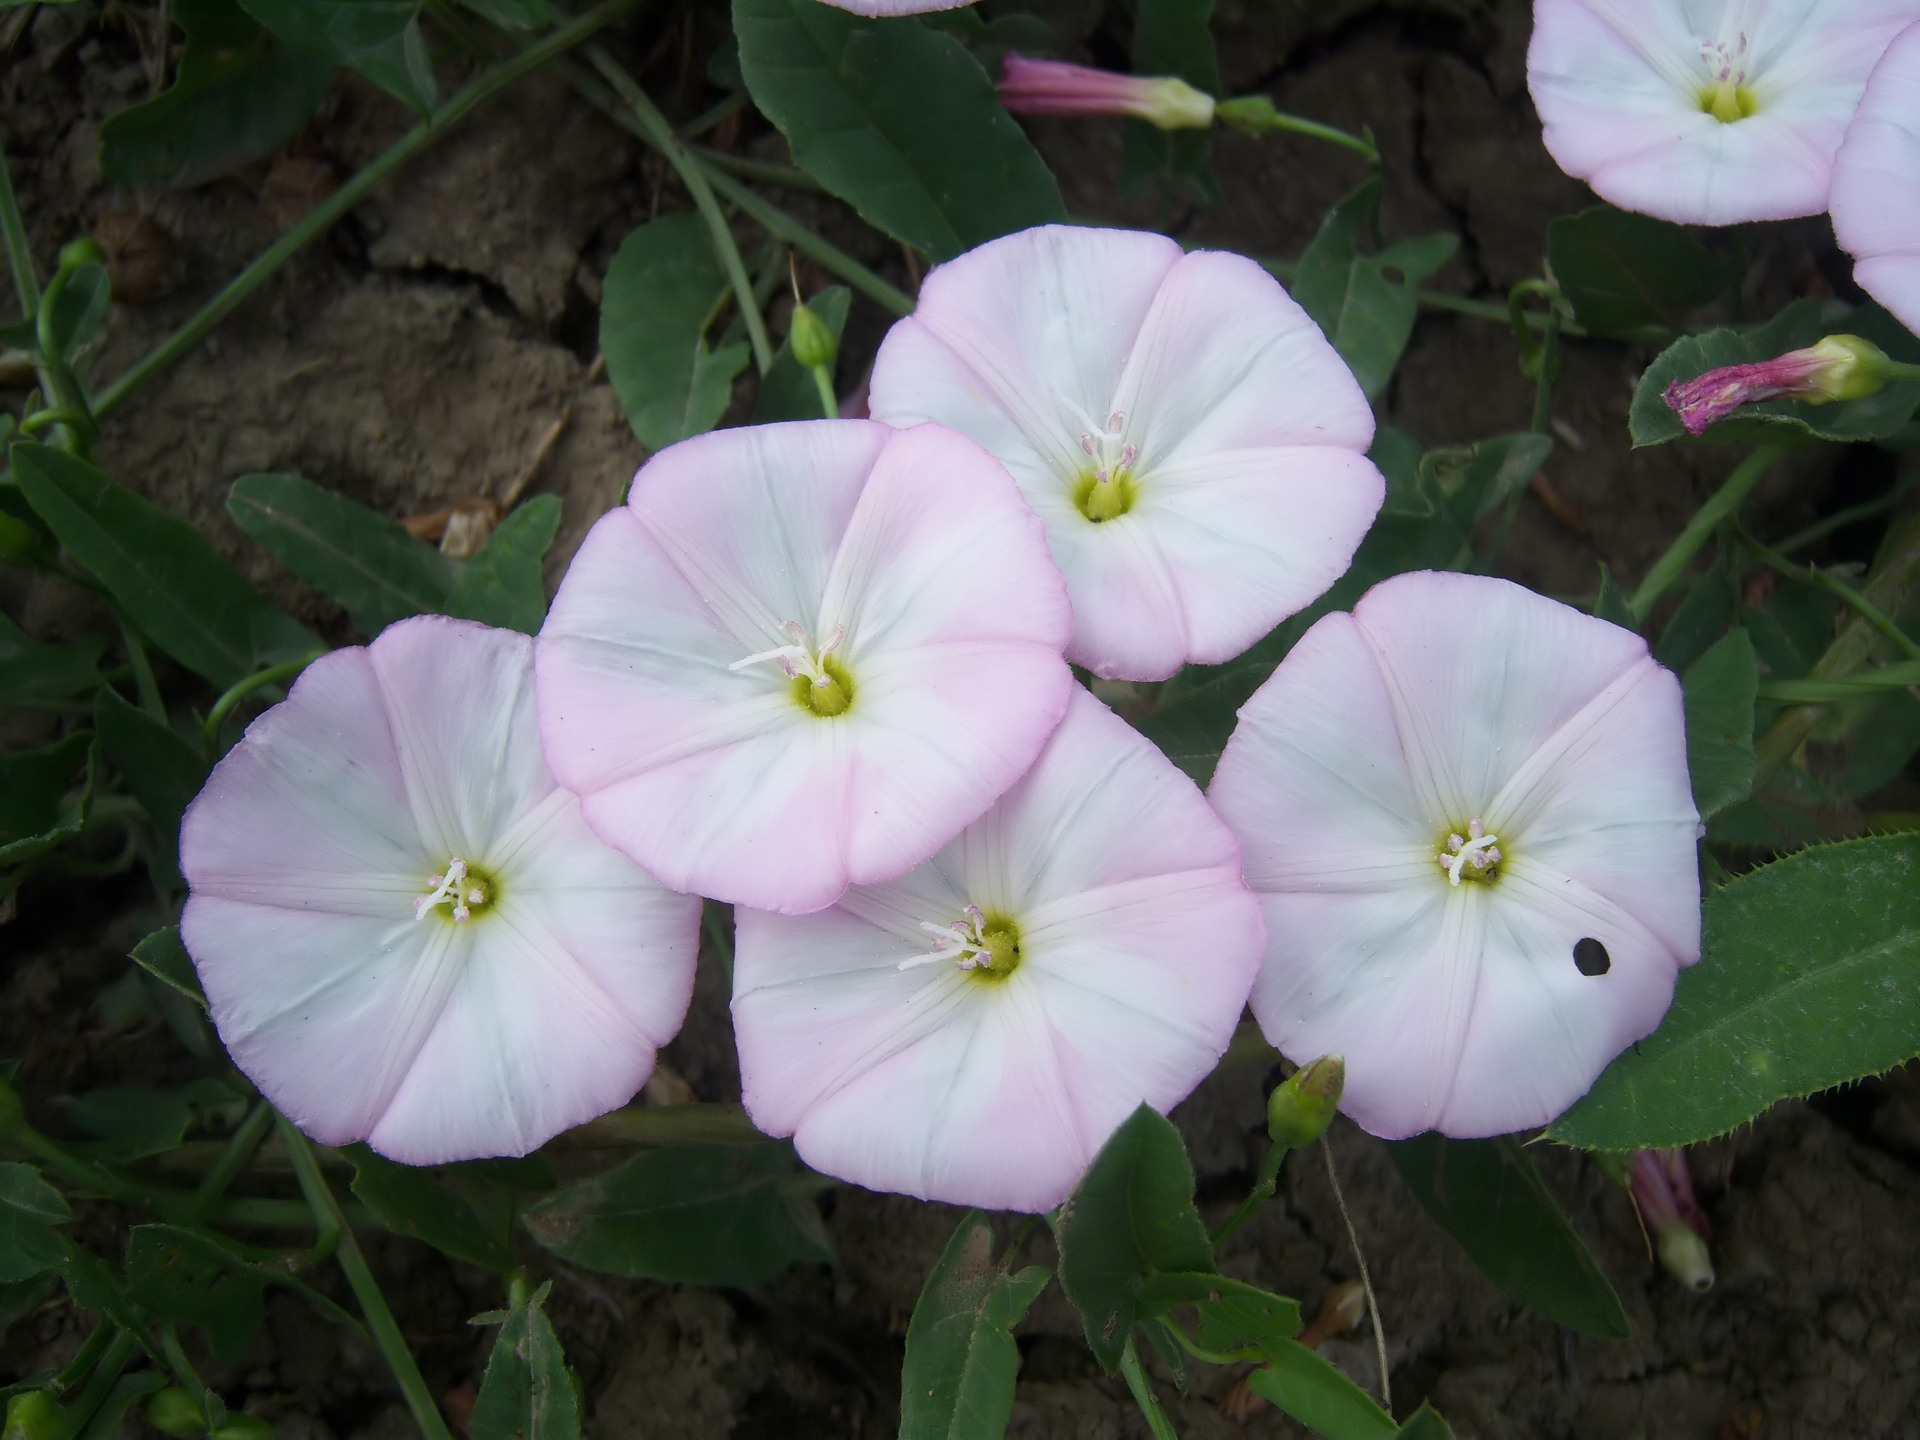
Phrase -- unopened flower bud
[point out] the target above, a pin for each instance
(84, 251)
(34, 1415)
(1840, 367)
(1053, 87)
(1663, 1189)
(173, 1411)
(813, 343)
(1303, 1105)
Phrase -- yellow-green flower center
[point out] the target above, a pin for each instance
(826, 694)
(1470, 854)
(1725, 96)
(985, 946)
(460, 894)
(819, 681)
(1106, 488)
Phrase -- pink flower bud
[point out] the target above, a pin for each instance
(1840, 367)
(1052, 87)
(1663, 1189)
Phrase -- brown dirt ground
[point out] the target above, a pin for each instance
(424, 350)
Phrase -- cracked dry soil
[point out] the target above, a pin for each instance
(426, 351)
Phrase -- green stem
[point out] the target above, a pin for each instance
(1257, 1197)
(78, 1368)
(1840, 519)
(119, 1352)
(211, 1408)
(143, 681)
(232, 1160)
(1871, 612)
(386, 1333)
(322, 217)
(1490, 310)
(1257, 116)
(767, 173)
(241, 689)
(712, 116)
(19, 252)
(1136, 1378)
(653, 128)
(823, 382)
(1723, 503)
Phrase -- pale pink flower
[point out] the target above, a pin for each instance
(801, 656)
(1705, 111)
(1663, 1191)
(975, 1030)
(1840, 367)
(406, 932)
(1467, 812)
(1195, 447)
(884, 8)
(1876, 183)
(1053, 87)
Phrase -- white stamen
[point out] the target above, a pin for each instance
(1106, 445)
(1478, 848)
(799, 658)
(961, 941)
(447, 887)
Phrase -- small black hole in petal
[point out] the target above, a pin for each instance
(1591, 957)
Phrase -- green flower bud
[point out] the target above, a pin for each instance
(244, 1427)
(173, 1411)
(813, 343)
(84, 251)
(1303, 1105)
(1851, 368)
(34, 1415)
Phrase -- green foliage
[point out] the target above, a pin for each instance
(502, 584)
(1613, 604)
(514, 14)
(1720, 689)
(163, 956)
(182, 1276)
(167, 579)
(131, 1123)
(1804, 983)
(238, 94)
(29, 1209)
(1366, 304)
(374, 568)
(1488, 1196)
(1319, 1396)
(163, 770)
(662, 288)
(1803, 323)
(787, 391)
(699, 1214)
(1172, 37)
(957, 1383)
(44, 795)
(1230, 1315)
(527, 1392)
(75, 312)
(378, 38)
(1631, 277)
(412, 1202)
(46, 677)
(1705, 611)
(897, 119)
(1426, 1424)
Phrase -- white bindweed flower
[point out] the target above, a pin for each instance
(1876, 183)
(1194, 446)
(1467, 812)
(803, 655)
(1708, 112)
(405, 930)
(975, 1030)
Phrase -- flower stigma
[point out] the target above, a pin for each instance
(1726, 96)
(820, 681)
(986, 947)
(459, 886)
(1108, 490)
(1472, 856)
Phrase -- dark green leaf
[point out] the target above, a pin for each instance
(699, 1214)
(514, 14)
(20, 1298)
(238, 94)
(1702, 615)
(662, 288)
(29, 1209)
(378, 38)
(1172, 37)
(183, 1277)
(163, 771)
(137, 1122)
(96, 1285)
(898, 120)
(502, 585)
(527, 1393)
(1131, 1216)
(787, 391)
(162, 956)
(412, 1202)
(45, 677)
(1801, 324)
(1720, 688)
(1426, 1424)
(44, 795)
(1631, 277)
(167, 578)
(1805, 982)
(957, 1383)
(1232, 1315)
(376, 570)
(1488, 1196)
(1613, 604)
(78, 311)
(1319, 1396)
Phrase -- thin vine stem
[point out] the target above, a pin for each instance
(373, 1304)
(242, 688)
(19, 251)
(766, 172)
(232, 1160)
(1143, 1395)
(1834, 585)
(323, 216)
(1366, 1279)
(1722, 504)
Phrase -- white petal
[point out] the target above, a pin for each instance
(1876, 183)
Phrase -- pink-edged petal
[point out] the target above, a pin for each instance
(1129, 623)
(1876, 183)
(884, 8)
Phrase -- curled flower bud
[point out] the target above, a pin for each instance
(1053, 87)
(1303, 1105)
(1663, 1189)
(1840, 367)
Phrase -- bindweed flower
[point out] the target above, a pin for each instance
(1876, 183)
(1663, 1191)
(801, 656)
(1467, 812)
(1840, 367)
(1193, 444)
(1705, 111)
(405, 930)
(1053, 87)
(975, 1030)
